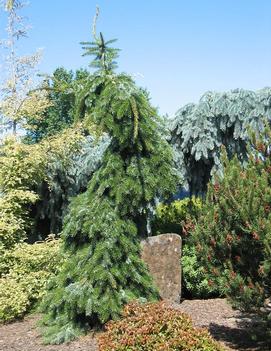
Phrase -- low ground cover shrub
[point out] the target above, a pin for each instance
(24, 273)
(155, 326)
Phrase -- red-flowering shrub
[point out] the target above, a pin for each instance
(155, 327)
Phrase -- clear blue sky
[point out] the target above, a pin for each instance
(179, 49)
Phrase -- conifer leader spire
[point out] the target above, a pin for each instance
(103, 270)
(104, 55)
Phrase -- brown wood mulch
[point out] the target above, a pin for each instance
(234, 329)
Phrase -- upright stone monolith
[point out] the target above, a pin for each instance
(162, 254)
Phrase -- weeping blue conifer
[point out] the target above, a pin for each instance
(103, 269)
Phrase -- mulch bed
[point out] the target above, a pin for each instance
(232, 328)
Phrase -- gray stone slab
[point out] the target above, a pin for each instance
(162, 254)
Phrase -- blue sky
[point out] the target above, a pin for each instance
(176, 49)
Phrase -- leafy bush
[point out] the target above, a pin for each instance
(233, 233)
(24, 273)
(169, 217)
(155, 326)
(22, 169)
(13, 300)
(14, 222)
(195, 279)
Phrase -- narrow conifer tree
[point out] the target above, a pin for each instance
(101, 233)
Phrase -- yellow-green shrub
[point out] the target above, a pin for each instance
(14, 207)
(169, 217)
(22, 168)
(24, 273)
(155, 326)
(14, 300)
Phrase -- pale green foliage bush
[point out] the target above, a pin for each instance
(13, 300)
(195, 278)
(24, 273)
(21, 165)
(13, 216)
(22, 169)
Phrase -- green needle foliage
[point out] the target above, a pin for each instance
(233, 233)
(102, 229)
(104, 55)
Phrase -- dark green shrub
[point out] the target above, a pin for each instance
(233, 233)
(155, 326)
(24, 273)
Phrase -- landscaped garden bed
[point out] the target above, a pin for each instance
(232, 328)
(107, 208)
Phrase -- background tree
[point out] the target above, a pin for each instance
(199, 130)
(102, 229)
(17, 102)
(61, 88)
(64, 181)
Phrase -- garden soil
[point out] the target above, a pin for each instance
(234, 329)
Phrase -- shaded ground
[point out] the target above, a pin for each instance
(236, 330)
(231, 327)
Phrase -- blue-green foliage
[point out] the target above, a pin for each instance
(199, 130)
(65, 183)
(101, 232)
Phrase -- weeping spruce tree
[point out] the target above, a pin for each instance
(103, 270)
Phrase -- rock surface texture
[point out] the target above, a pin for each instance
(162, 254)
